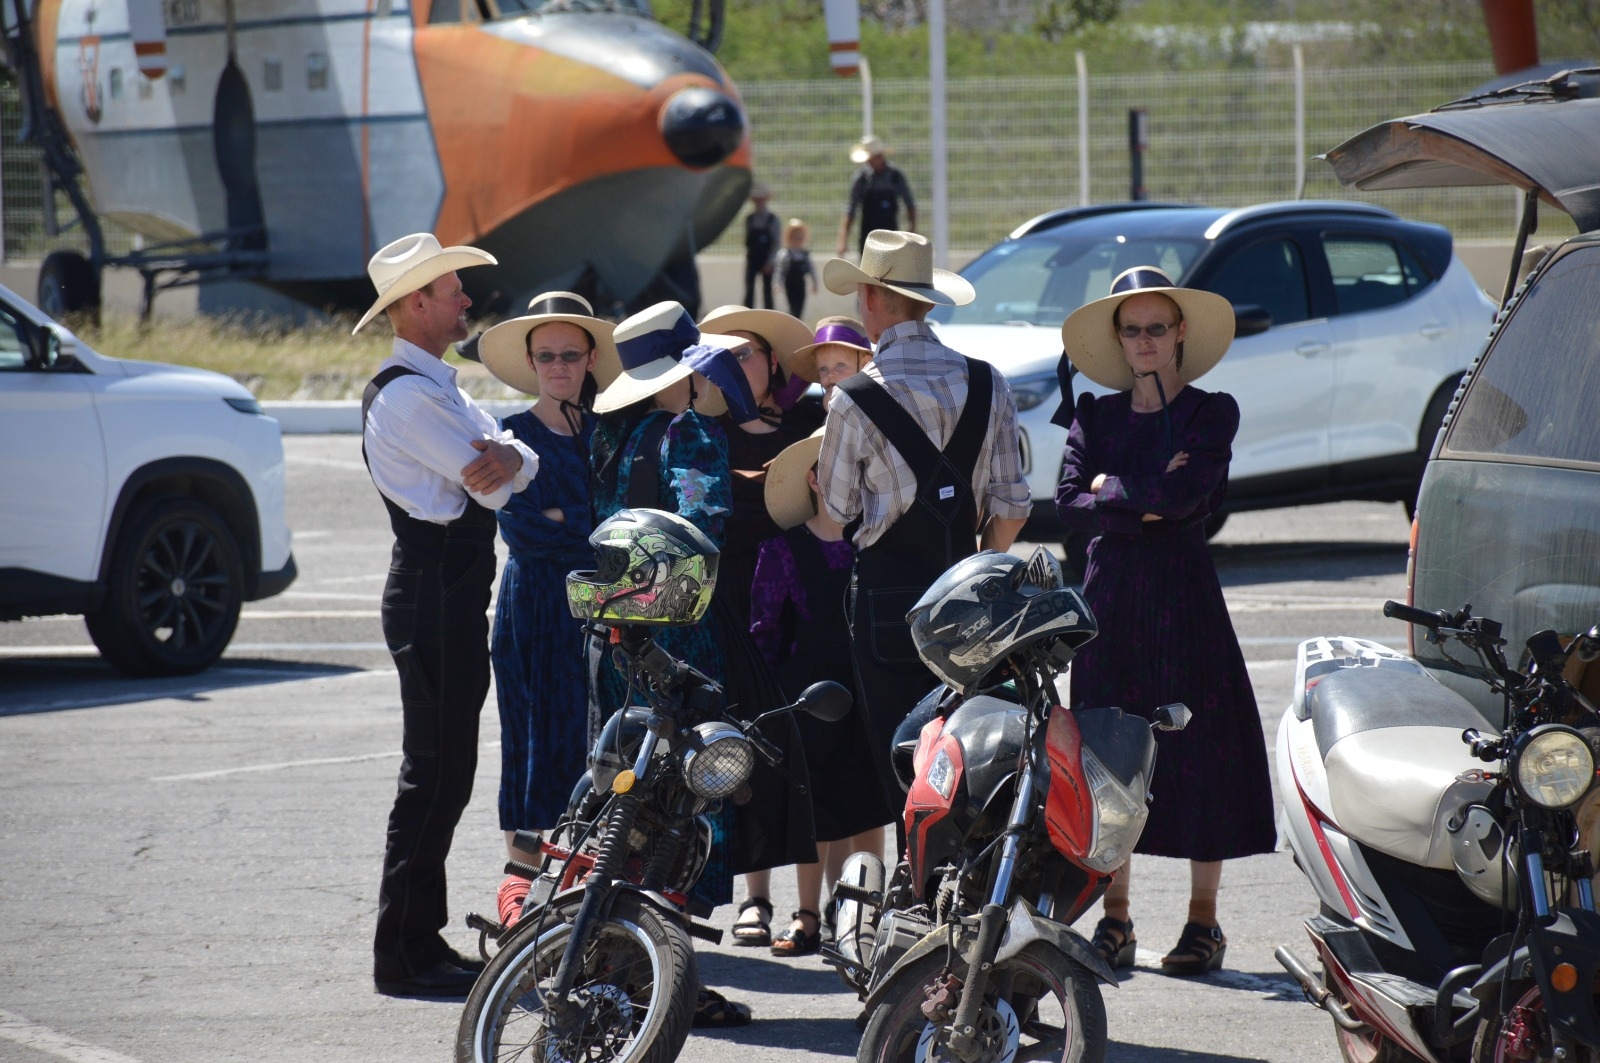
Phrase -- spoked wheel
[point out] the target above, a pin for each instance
(1521, 1033)
(636, 986)
(1041, 1006)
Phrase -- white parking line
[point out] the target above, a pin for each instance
(311, 614)
(331, 463)
(313, 763)
(236, 648)
(43, 1039)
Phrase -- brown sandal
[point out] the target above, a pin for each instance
(795, 941)
(1199, 949)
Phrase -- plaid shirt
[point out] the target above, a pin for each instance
(862, 475)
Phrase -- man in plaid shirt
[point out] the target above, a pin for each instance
(920, 461)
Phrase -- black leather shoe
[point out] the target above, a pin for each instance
(443, 979)
(466, 963)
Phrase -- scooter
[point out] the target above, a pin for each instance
(1457, 917)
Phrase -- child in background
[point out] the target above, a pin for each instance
(794, 266)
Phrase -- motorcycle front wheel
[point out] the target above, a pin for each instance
(1041, 1005)
(1522, 1033)
(636, 985)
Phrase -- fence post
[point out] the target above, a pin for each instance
(936, 116)
(1083, 129)
(1138, 141)
(1299, 122)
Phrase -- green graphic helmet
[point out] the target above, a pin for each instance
(653, 567)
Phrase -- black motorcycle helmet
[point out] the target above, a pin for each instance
(986, 607)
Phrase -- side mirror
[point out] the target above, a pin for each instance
(826, 701)
(1589, 645)
(1173, 717)
(1251, 320)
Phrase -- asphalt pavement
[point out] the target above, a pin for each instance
(189, 867)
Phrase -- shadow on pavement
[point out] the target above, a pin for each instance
(29, 686)
(1126, 1053)
(831, 1037)
(766, 973)
(1242, 564)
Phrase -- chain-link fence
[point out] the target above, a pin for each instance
(1218, 138)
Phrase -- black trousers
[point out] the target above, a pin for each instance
(436, 622)
(795, 289)
(752, 270)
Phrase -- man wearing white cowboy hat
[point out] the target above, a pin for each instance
(442, 466)
(876, 191)
(919, 456)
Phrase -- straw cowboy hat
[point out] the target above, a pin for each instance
(866, 148)
(650, 346)
(789, 499)
(844, 332)
(410, 264)
(783, 332)
(901, 262)
(504, 348)
(1090, 340)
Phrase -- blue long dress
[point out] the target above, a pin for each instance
(693, 481)
(1165, 634)
(537, 647)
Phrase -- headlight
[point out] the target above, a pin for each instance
(717, 760)
(1120, 815)
(1554, 766)
(1034, 390)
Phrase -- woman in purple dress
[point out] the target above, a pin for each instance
(1143, 470)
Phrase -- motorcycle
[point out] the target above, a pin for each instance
(599, 964)
(1017, 811)
(1457, 915)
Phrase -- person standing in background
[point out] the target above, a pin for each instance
(795, 266)
(761, 228)
(443, 466)
(876, 191)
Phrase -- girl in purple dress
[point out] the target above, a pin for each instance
(1143, 470)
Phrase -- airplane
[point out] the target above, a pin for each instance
(281, 142)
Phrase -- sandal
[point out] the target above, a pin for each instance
(756, 933)
(795, 941)
(1199, 949)
(1114, 940)
(713, 1011)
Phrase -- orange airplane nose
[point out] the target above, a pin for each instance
(701, 126)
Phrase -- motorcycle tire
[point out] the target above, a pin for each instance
(1489, 1047)
(638, 973)
(1039, 1001)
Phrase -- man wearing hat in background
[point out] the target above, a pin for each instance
(919, 458)
(876, 191)
(761, 234)
(443, 467)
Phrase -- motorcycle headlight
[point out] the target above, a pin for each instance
(1120, 814)
(717, 760)
(1555, 767)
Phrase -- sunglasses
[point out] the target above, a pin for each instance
(744, 354)
(546, 357)
(1155, 332)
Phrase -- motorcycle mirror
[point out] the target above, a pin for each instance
(1589, 645)
(826, 701)
(1173, 717)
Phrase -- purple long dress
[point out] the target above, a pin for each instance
(1164, 630)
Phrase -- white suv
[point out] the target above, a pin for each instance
(1354, 327)
(148, 498)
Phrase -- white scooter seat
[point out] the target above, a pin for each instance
(1391, 746)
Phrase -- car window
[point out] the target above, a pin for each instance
(1040, 280)
(1370, 274)
(1271, 275)
(1537, 392)
(13, 345)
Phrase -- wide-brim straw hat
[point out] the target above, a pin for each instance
(412, 263)
(1090, 339)
(650, 347)
(901, 262)
(784, 333)
(789, 499)
(866, 148)
(504, 348)
(803, 363)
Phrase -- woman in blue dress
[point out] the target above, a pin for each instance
(561, 353)
(1144, 468)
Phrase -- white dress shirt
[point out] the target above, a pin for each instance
(419, 435)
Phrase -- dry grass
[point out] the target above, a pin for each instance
(316, 361)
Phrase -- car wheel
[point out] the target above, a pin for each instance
(174, 592)
(68, 284)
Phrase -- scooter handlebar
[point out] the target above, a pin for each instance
(1412, 615)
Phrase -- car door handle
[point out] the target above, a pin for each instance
(1310, 349)
(1432, 330)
